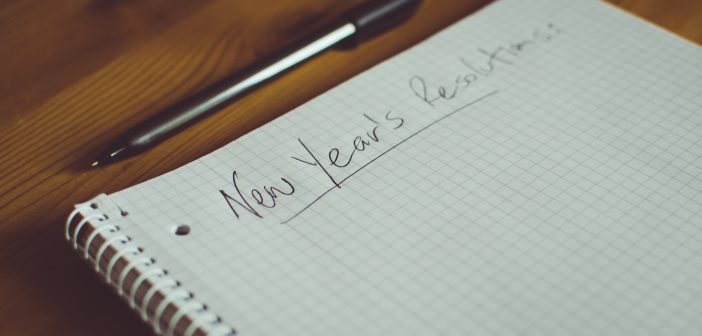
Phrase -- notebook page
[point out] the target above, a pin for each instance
(533, 169)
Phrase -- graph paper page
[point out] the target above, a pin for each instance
(535, 168)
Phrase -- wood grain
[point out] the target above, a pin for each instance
(77, 73)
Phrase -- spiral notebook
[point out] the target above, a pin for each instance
(535, 168)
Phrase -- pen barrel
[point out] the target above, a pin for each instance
(184, 113)
(212, 98)
(361, 23)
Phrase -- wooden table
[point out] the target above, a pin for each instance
(77, 73)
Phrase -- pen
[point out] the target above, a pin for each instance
(363, 22)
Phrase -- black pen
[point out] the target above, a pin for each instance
(368, 20)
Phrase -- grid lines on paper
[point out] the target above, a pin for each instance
(566, 202)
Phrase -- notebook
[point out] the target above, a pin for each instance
(534, 169)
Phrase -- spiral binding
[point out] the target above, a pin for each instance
(200, 318)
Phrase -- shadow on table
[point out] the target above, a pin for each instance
(48, 289)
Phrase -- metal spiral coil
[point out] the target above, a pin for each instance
(150, 275)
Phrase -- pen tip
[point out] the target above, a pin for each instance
(110, 156)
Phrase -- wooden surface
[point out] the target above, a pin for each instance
(77, 73)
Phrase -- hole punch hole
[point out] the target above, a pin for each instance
(94, 205)
(124, 213)
(182, 230)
